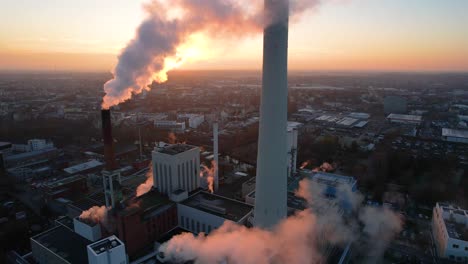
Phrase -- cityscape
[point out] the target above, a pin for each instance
(153, 162)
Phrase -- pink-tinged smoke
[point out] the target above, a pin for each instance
(325, 167)
(95, 215)
(302, 238)
(208, 174)
(147, 185)
(166, 37)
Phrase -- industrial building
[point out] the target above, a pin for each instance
(176, 167)
(405, 119)
(145, 219)
(204, 212)
(86, 167)
(107, 250)
(450, 231)
(170, 125)
(455, 135)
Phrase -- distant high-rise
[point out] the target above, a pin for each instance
(271, 187)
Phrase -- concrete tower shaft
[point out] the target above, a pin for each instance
(271, 183)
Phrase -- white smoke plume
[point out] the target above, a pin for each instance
(171, 33)
(148, 184)
(302, 238)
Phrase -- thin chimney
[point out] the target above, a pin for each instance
(215, 156)
(108, 140)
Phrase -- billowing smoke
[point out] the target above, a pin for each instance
(302, 238)
(172, 32)
(148, 184)
(97, 215)
(325, 167)
(208, 174)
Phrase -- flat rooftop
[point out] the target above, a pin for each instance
(458, 133)
(64, 181)
(149, 201)
(29, 154)
(64, 243)
(176, 149)
(332, 179)
(105, 244)
(217, 205)
(92, 164)
(412, 118)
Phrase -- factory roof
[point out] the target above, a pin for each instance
(412, 118)
(458, 133)
(361, 124)
(217, 205)
(359, 115)
(176, 149)
(64, 243)
(147, 202)
(64, 181)
(332, 179)
(104, 245)
(92, 164)
(347, 121)
(29, 154)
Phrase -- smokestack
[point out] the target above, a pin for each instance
(270, 190)
(108, 140)
(215, 155)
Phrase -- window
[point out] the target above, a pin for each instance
(198, 227)
(209, 228)
(455, 246)
(182, 222)
(187, 223)
(203, 227)
(193, 225)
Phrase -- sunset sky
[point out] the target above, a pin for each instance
(396, 35)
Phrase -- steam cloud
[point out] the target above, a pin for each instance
(302, 238)
(164, 39)
(97, 215)
(147, 185)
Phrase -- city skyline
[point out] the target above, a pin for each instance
(337, 35)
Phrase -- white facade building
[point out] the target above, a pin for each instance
(204, 212)
(107, 250)
(450, 232)
(170, 125)
(176, 167)
(194, 120)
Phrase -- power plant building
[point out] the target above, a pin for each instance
(176, 167)
(450, 231)
(204, 212)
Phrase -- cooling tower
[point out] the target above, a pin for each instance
(271, 189)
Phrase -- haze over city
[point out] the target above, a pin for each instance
(234, 131)
(417, 35)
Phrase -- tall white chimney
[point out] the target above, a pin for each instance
(271, 182)
(215, 155)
